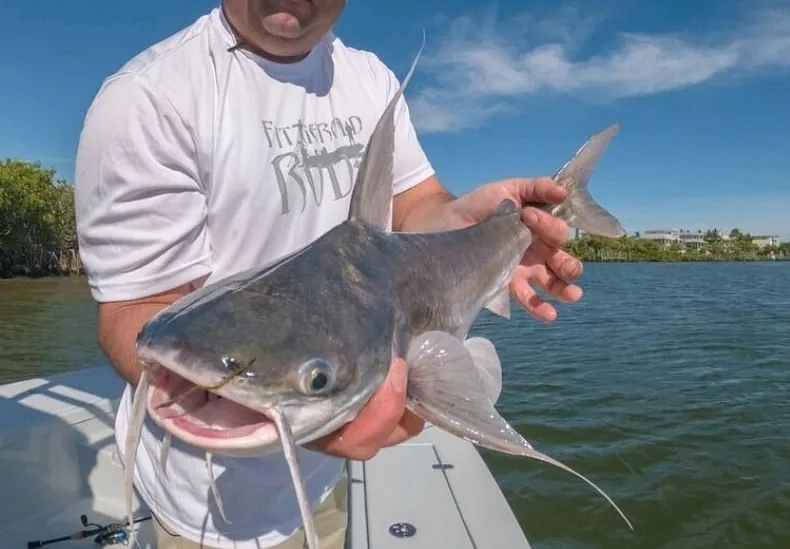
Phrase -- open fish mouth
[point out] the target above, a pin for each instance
(204, 419)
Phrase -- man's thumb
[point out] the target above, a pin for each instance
(398, 377)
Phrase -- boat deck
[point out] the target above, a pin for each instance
(58, 460)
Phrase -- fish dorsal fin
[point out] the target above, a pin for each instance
(371, 201)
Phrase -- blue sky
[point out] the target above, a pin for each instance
(510, 88)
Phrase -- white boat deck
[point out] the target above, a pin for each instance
(58, 461)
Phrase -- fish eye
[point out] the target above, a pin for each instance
(317, 376)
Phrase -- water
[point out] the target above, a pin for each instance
(46, 325)
(667, 385)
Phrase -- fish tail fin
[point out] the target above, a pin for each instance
(580, 210)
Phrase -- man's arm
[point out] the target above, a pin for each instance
(415, 209)
(140, 212)
(119, 322)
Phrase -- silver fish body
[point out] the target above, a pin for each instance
(344, 308)
(296, 348)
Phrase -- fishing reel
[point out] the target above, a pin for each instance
(111, 534)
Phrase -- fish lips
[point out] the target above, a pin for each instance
(241, 422)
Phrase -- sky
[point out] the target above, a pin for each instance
(510, 88)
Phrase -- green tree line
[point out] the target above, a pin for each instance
(738, 247)
(38, 233)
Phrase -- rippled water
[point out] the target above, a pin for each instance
(667, 385)
(46, 325)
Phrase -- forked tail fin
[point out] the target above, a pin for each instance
(580, 210)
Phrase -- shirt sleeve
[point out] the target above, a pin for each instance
(410, 164)
(141, 209)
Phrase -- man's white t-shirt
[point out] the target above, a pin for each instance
(195, 160)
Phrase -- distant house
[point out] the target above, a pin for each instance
(693, 240)
(763, 241)
(667, 237)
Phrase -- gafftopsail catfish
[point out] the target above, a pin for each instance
(297, 347)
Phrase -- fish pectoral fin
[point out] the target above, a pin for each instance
(446, 389)
(500, 303)
(489, 368)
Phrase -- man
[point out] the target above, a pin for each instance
(231, 143)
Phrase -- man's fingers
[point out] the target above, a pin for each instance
(541, 256)
(565, 266)
(531, 301)
(547, 228)
(409, 426)
(557, 287)
(537, 189)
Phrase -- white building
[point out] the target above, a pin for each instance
(667, 237)
(764, 241)
(692, 240)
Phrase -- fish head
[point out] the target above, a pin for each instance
(223, 362)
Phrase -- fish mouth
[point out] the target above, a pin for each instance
(220, 420)
(205, 419)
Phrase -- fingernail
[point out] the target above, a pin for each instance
(572, 268)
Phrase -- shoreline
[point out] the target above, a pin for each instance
(40, 276)
(701, 260)
(591, 260)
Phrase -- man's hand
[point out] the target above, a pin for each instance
(429, 206)
(383, 421)
(543, 263)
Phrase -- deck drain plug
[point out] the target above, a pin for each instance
(403, 530)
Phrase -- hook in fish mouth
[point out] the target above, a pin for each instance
(204, 419)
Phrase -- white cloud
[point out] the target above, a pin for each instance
(483, 65)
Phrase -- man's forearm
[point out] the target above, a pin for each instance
(419, 208)
(117, 335)
(119, 324)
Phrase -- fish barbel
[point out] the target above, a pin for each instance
(297, 347)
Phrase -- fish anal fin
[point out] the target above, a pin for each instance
(500, 303)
